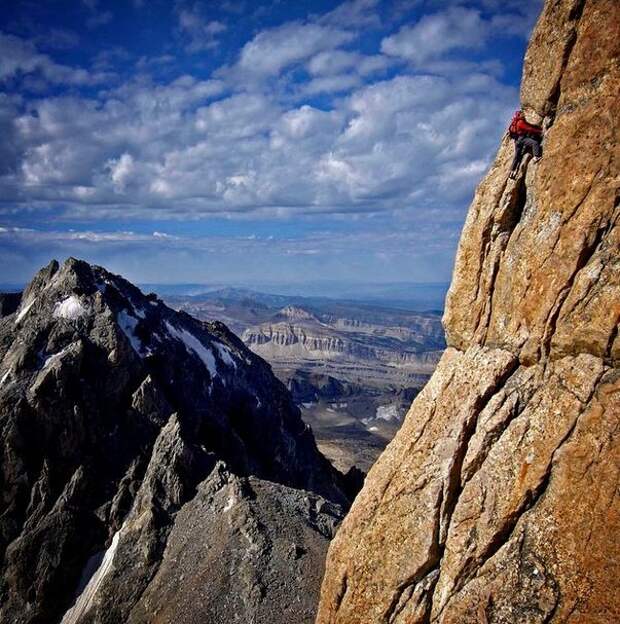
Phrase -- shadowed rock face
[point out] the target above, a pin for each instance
(9, 302)
(125, 423)
(497, 500)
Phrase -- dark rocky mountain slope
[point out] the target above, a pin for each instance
(153, 469)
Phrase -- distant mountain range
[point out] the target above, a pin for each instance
(356, 342)
(400, 295)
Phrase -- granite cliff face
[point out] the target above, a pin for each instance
(152, 467)
(497, 502)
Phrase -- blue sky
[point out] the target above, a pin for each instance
(238, 141)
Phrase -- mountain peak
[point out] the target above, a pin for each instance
(115, 409)
(295, 313)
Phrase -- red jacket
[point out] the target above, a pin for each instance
(525, 128)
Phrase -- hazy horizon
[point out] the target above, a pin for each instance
(410, 295)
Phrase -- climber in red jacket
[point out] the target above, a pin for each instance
(527, 138)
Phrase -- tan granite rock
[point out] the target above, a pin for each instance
(530, 249)
(497, 502)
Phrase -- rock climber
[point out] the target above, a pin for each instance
(527, 138)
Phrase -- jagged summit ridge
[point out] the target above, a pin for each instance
(117, 414)
(497, 500)
(76, 292)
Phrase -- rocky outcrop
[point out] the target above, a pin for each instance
(293, 313)
(129, 429)
(269, 538)
(497, 502)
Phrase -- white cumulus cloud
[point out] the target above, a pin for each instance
(273, 50)
(434, 35)
(121, 170)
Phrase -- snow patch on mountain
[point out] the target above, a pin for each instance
(24, 310)
(139, 311)
(193, 344)
(387, 412)
(56, 356)
(69, 308)
(85, 599)
(225, 355)
(128, 324)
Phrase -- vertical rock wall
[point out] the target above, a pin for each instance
(498, 499)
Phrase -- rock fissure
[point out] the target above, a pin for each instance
(454, 485)
(500, 227)
(586, 254)
(493, 434)
(432, 563)
(550, 109)
(398, 604)
(610, 342)
(471, 566)
(388, 483)
(532, 497)
(485, 315)
(342, 592)
(565, 219)
(480, 310)
(486, 240)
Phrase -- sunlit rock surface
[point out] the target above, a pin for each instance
(498, 499)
